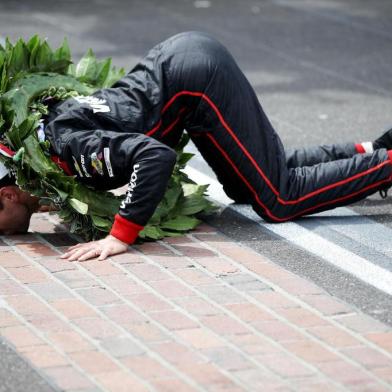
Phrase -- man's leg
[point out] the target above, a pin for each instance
(228, 125)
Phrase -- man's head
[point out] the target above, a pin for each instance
(16, 208)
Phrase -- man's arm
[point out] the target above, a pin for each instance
(143, 162)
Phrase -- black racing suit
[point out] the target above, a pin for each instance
(190, 81)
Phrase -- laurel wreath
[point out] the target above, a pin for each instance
(31, 72)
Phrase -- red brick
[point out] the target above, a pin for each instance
(27, 304)
(177, 353)
(147, 272)
(260, 380)
(250, 312)
(173, 320)
(7, 319)
(368, 357)
(20, 336)
(197, 306)
(99, 296)
(302, 317)
(278, 330)
(194, 251)
(384, 373)
(171, 288)
(12, 259)
(101, 268)
(172, 384)
(75, 278)
(36, 249)
(123, 284)
(149, 302)
(130, 257)
(97, 328)
(362, 323)
(200, 338)
(284, 365)
(224, 325)
(94, 362)
(69, 341)
(146, 367)
(67, 378)
(3, 275)
(154, 248)
(9, 287)
(384, 340)
(310, 351)
(253, 344)
(44, 357)
(55, 264)
(297, 286)
(28, 274)
(326, 304)
(171, 262)
(334, 336)
(344, 372)
(206, 374)
(124, 315)
(73, 308)
(218, 265)
(120, 382)
(147, 332)
(48, 323)
(194, 276)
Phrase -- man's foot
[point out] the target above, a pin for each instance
(384, 141)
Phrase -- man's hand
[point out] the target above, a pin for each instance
(103, 248)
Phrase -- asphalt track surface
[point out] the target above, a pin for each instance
(323, 73)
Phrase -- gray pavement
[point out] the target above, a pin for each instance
(322, 71)
(16, 375)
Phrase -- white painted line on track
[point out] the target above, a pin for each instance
(313, 243)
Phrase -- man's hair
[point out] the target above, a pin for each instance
(9, 179)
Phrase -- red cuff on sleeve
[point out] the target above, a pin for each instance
(390, 155)
(360, 149)
(125, 230)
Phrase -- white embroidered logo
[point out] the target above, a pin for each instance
(131, 186)
(97, 104)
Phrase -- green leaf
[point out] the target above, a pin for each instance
(151, 232)
(103, 72)
(100, 222)
(192, 205)
(79, 206)
(181, 223)
(44, 57)
(86, 67)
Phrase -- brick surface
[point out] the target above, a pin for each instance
(36, 249)
(174, 320)
(94, 362)
(188, 313)
(44, 356)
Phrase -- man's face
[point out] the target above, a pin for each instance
(14, 214)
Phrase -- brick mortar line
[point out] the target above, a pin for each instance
(156, 323)
(293, 298)
(281, 318)
(183, 312)
(39, 370)
(178, 308)
(249, 326)
(249, 298)
(152, 320)
(73, 326)
(145, 347)
(226, 311)
(42, 336)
